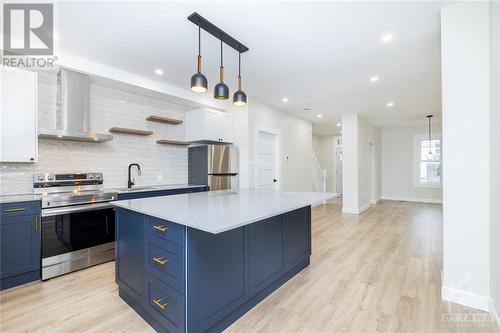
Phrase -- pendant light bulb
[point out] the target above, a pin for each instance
(221, 91)
(199, 82)
(239, 97)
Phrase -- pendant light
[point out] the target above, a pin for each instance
(430, 155)
(239, 97)
(199, 82)
(221, 90)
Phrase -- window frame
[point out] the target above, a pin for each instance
(417, 142)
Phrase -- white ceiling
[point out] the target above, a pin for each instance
(319, 55)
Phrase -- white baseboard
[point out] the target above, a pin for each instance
(356, 210)
(425, 200)
(466, 298)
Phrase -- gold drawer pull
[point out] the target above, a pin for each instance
(160, 228)
(160, 260)
(158, 303)
(12, 210)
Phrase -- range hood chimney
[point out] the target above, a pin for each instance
(73, 113)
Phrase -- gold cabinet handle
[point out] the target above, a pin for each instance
(158, 303)
(160, 228)
(160, 260)
(12, 210)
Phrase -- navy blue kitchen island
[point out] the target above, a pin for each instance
(181, 278)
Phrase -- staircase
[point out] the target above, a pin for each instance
(318, 175)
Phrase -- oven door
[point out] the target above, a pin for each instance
(76, 237)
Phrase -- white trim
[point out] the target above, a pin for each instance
(356, 211)
(466, 298)
(410, 199)
(350, 210)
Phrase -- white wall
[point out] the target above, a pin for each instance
(296, 145)
(495, 155)
(465, 60)
(398, 165)
(324, 148)
(357, 135)
(109, 107)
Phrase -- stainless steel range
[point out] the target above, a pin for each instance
(78, 221)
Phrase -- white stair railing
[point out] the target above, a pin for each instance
(318, 175)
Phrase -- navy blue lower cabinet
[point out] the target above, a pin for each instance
(129, 248)
(297, 225)
(165, 304)
(267, 262)
(217, 276)
(19, 244)
(165, 260)
(194, 281)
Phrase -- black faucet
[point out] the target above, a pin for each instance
(130, 182)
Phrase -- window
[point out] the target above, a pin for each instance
(427, 168)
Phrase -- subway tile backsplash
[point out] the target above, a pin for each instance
(109, 107)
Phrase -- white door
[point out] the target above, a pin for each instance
(18, 115)
(338, 170)
(267, 160)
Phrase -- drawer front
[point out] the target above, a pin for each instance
(165, 260)
(166, 230)
(19, 208)
(165, 304)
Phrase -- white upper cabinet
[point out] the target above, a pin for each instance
(209, 125)
(18, 115)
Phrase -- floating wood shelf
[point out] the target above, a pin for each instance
(130, 131)
(164, 120)
(173, 142)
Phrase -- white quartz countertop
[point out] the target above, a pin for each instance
(220, 211)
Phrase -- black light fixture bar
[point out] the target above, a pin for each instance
(216, 32)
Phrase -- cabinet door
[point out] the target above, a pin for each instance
(297, 227)
(217, 276)
(18, 120)
(20, 245)
(267, 262)
(214, 125)
(130, 252)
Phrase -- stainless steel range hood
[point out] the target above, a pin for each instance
(73, 113)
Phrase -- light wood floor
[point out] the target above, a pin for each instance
(376, 272)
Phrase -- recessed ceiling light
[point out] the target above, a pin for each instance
(390, 104)
(158, 72)
(306, 110)
(386, 38)
(320, 116)
(339, 124)
(374, 79)
(284, 99)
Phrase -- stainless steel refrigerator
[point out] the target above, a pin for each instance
(214, 165)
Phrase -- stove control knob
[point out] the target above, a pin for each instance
(40, 178)
(51, 178)
(97, 176)
(91, 177)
